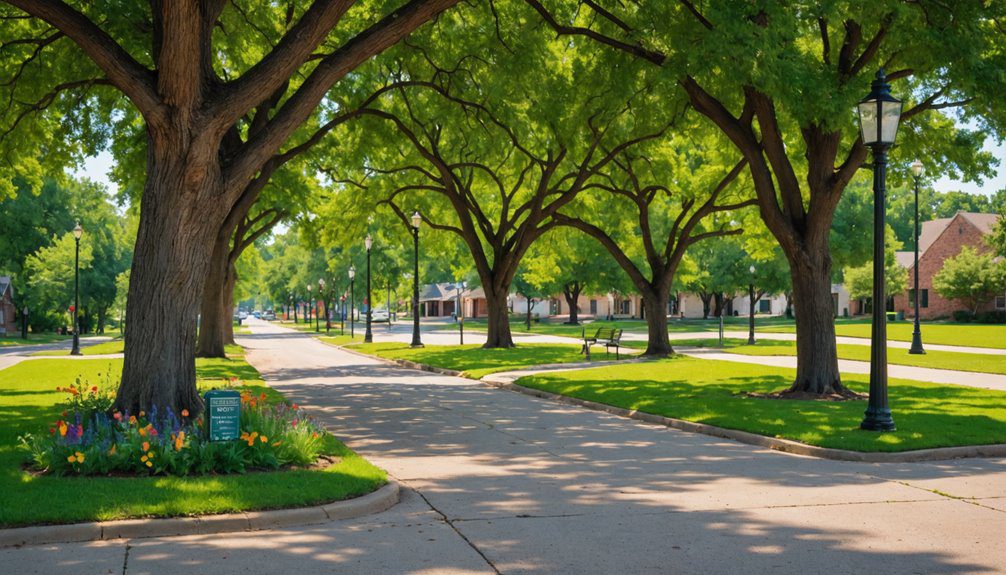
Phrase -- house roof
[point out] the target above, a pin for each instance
(905, 259)
(933, 229)
(438, 292)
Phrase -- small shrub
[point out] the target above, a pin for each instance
(962, 316)
(87, 441)
(996, 316)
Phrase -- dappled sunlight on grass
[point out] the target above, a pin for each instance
(943, 333)
(713, 392)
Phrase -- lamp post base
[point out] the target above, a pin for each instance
(916, 348)
(877, 419)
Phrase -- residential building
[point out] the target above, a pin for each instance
(8, 311)
(438, 300)
(940, 240)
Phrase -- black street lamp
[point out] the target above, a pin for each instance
(751, 312)
(917, 334)
(368, 336)
(352, 302)
(416, 220)
(324, 302)
(879, 114)
(77, 232)
(461, 311)
(289, 306)
(310, 309)
(342, 314)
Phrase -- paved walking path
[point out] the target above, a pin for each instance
(498, 482)
(14, 354)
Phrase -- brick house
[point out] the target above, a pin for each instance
(939, 240)
(8, 311)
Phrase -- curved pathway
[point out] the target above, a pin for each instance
(498, 482)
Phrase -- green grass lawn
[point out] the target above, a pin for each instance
(942, 333)
(975, 362)
(28, 403)
(473, 360)
(927, 414)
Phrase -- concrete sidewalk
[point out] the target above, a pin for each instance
(14, 354)
(498, 482)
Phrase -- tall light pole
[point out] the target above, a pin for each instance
(352, 301)
(368, 336)
(917, 333)
(342, 314)
(461, 312)
(879, 114)
(77, 232)
(324, 301)
(751, 312)
(416, 221)
(311, 299)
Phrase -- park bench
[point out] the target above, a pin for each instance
(609, 337)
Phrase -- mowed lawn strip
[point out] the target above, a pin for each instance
(975, 362)
(964, 334)
(713, 392)
(474, 361)
(28, 403)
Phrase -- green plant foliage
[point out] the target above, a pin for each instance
(971, 278)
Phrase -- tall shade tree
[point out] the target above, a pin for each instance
(216, 106)
(781, 81)
(653, 204)
(487, 167)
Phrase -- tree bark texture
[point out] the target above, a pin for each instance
(214, 316)
(499, 319)
(816, 351)
(178, 222)
(571, 291)
(655, 305)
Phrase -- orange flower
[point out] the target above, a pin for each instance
(142, 413)
(143, 431)
(112, 450)
(263, 439)
(132, 420)
(185, 413)
(62, 429)
(146, 446)
(72, 458)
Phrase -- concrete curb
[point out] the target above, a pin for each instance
(777, 444)
(373, 502)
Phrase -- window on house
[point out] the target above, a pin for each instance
(764, 306)
(1000, 303)
(593, 307)
(923, 298)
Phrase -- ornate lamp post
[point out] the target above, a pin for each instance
(879, 114)
(289, 305)
(310, 309)
(352, 301)
(368, 336)
(324, 301)
(416, 221)
(77, 232)
(751, 313)
(342, 314)
(917, 334)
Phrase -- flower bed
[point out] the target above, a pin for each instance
(89, 439)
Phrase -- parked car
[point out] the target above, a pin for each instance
(257, 314)
(242, 315)
(380, 315)
(268, 315)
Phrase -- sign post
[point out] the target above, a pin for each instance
(223, 410)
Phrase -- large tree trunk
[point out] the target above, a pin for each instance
(706, 300)
(499, 320)
(817, 354)
(572, 293)
(215, 318)
(179, 219)
(655, 307)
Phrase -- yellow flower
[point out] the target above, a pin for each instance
(112, 450)
(80, 457)
(143, 459)
(142, 413)
(263, 439)
(143, 431)
(62, 429)
(149, 464)
(71, 459)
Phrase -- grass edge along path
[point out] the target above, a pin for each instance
(928, 415)
(959, 361)
(28, 403)
(472, 360)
